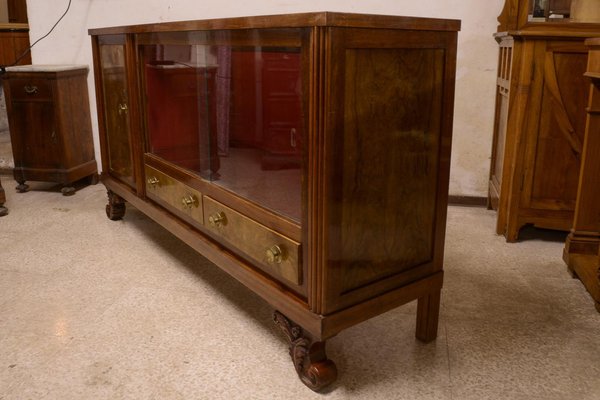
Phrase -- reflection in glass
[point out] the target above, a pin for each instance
(231, 114)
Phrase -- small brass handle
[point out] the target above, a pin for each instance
(123, 108)
(189, 201)
(217, 219)
(152, 181)
(275, 255)
(31, 89)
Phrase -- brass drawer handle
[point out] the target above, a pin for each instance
(189, 201)
(153, 181)
(30, 89)
(217, 219)
(275, 254)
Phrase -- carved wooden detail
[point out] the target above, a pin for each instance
(22, 187)
(508, 17)
(115, 209)
(308, 356)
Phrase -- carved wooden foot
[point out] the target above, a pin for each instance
(3, 211)
(68, 191)
(22, 187)
(115, 209)
(314, 369)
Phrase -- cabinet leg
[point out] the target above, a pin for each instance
(3, 211)
(314, 369)
(428, 311)
(68, 191)
(22, 187)
(115, 209)
(94, 178)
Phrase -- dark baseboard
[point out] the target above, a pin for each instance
(467, 201)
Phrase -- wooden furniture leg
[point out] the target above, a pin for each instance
(428, 310)
(3, 210)
(22, 187)
(115, 209)
(314, 369)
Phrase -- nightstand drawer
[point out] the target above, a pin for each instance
(30, 89)
(174, 195)
(275, 254)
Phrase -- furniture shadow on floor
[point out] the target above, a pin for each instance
(530, 232)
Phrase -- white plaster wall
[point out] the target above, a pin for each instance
(477, 53)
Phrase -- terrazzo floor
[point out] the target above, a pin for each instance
(96, 309)
(6, 157)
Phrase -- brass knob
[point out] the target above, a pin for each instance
(189, 201)
(152, 181)
(274, 255)
(217, 219)
(123, 108)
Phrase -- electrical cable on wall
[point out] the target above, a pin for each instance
(3, 67)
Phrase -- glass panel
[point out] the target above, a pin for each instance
(227, 105)
(116, 100)
(564, 10)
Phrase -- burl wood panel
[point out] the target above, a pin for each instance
(386, 167)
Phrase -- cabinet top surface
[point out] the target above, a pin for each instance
(332, 19)
(46, 68)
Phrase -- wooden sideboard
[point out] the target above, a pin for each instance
(583, 243)
(362, 105)
(540, 120)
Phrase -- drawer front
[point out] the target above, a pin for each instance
(178, 197)
(274, 253)
(30, 89)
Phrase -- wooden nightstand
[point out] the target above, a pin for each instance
(49, 118)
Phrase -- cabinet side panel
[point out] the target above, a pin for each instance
(388, 141)
(74, 120)
(389, 166)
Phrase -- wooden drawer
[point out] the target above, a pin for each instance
(183, 200)
(30, 89)
(274, 253)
